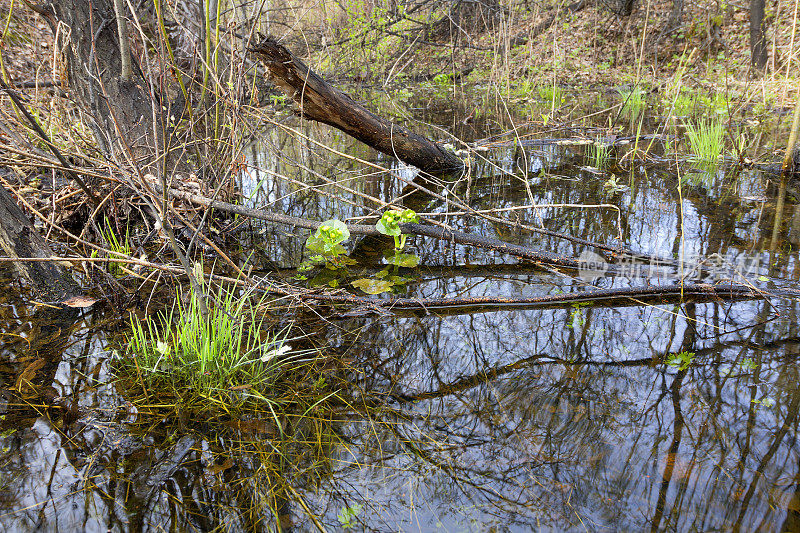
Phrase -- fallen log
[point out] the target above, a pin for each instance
(20, 239)
(540, 257)
(317, 100)
(650, 295)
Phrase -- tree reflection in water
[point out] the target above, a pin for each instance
(472, 421)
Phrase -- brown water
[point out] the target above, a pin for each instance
(501, 419)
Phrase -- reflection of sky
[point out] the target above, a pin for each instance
(44, 487)
(652, 221)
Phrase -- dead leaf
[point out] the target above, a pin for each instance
(79, 302)
(216, 469)
(25, 377)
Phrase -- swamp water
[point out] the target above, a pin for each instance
(601, 417)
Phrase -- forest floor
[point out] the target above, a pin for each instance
(589, 46)
(706, 54)
(708, 49)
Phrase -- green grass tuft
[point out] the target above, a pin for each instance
(116, 244)
(225, 359)
(684, 105)
(706, 140)
(553, 95)
(634, 103)
(599, 154)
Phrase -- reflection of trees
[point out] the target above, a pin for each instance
(583, 426)
(298, 177)
(559, 417)
(519, 418)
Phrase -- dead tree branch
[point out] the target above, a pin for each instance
(652, 295)
(319, 101)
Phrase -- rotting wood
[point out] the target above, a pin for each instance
(317, 100)
(19, 239)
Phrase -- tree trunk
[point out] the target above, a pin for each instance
(321, 102)
(465, 19)
(789, 165)
(127, 115)
(621, 8)
(675, 15)
(122, 110)
(758, 43)
(19, 239)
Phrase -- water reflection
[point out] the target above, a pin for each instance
(594, 428)
(511, 419)
(507, 419)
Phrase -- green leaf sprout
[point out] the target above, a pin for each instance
(389, 224)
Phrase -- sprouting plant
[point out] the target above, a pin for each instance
(388, 279)
(325, 244)
(684, 105)
(347, 514)
(327, 239)
(278, 100)
(389, 224)
(749, 364)
(552, 94)
(765, 402)
(442, 79)
(681, 360)
(599, 154)
(576, 316)
(115, 244)
(614, 186)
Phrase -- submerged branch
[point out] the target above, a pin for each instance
(638, 295)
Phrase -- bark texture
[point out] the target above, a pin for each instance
(621, 8)
(464, 20)
(19, 238)
(121, 110)
(317, 100)
(758, 42)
